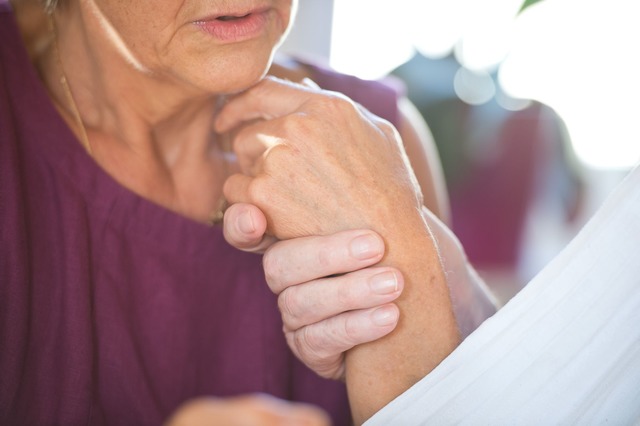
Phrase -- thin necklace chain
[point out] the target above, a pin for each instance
(64, 82)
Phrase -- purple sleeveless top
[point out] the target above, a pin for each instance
(114, 310)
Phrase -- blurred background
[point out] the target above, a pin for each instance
(532, 105)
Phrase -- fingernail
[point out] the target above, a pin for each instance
(245, 223)
(384, 283)
(365, 247)
(384, 316)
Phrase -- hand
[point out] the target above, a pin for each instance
(323, 317)
(250, 410)
(294, 138)
(329, 313)
(473, 302)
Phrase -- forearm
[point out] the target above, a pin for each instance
(379, 371)
(472, 300)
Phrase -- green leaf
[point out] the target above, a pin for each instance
(528, 3)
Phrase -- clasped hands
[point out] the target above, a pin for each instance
(319, 176)
(326, 192)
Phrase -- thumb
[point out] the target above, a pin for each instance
(244, 228)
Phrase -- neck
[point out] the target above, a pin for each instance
(150, 132)
(118, 98)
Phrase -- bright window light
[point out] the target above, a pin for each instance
(577, 56)
(584, 65)
(367, 37)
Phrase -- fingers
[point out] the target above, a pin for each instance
(253, 138)
(321, 346)
(312, 302)
(266, 410)
(250, 143)
(244, 228)
(268, 99)
(304, 259)
(324, 317)
(247, 410)
(236, 189)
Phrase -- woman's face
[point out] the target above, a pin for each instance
(220, 46)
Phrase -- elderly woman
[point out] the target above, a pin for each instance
(120, 298)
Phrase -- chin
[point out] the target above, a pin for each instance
(242, 82)
(234, 74)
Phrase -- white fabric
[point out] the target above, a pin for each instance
(564, 351)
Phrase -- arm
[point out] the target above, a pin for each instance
(427, 332)
(471, 298)
(424, 158)
(360, 179)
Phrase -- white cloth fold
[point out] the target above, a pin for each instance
(565, 350)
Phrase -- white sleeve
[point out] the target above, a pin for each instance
(565, 350)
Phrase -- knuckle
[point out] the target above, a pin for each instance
(348, 292)
(287, 306)
(272, 270)
(267, 84)
(257, 167)
(228, 187)
(277, 158)
(240, 142)
(350, 332)
(325, 258)
(336, 104)
(325, 360)
(276, 154)
(258, 191)
(296, 125)
(307, 345)
(386, 128)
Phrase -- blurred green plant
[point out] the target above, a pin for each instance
(528, 3)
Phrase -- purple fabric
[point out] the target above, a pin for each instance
(114, 310)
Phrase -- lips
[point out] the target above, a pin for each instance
(230, 17)
(234, 27)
